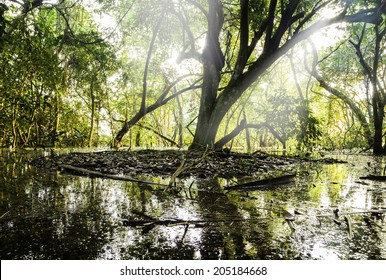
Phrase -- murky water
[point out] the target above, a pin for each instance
(56, 216)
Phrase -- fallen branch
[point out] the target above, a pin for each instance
(106, 175)
(374, 177)
(264, 184)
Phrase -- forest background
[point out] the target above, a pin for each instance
(248, 74)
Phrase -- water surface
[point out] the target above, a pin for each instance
(49, 215)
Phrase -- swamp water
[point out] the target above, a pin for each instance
(328, 212)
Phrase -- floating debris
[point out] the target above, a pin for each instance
(269, 183)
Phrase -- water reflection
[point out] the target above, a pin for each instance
(55, 216)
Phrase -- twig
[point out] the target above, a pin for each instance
(2, 216)
(179, 170)
(183, 168)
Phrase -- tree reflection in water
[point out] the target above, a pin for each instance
(55, 216)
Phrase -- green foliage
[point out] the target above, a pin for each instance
(282, 115)
(310, 132)
(66, 80)
(44, 62)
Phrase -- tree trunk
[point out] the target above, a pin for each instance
(247, 134)
(378, 93)
(213, 61)
(14, 125)
(378, 112)
(180, 128)
(206, 128)
(92, 121)
(55, 129)
(117, 141)
(138, 138)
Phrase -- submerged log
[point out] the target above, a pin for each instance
(374, 177)
(269, 183)
(84, 171)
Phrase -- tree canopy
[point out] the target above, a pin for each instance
(246, 74)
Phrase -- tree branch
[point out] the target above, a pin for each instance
(220, 143)
(285, 23)
(149, 53)
(200, 7)
(266, 60)
(270, 24)
(192, 53)
(308, 17)
(141, 113)
(244, 39)
(159, 134)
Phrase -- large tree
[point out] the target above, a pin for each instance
(261, 32)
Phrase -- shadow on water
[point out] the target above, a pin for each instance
(327, 213)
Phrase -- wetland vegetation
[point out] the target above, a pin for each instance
(192, 129)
